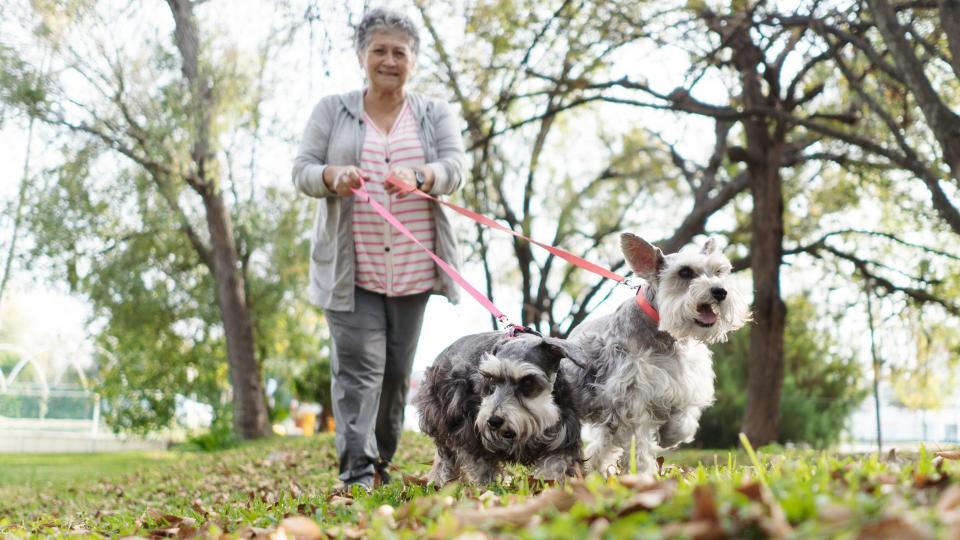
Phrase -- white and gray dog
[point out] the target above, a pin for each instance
(496, 397)
(649, 373)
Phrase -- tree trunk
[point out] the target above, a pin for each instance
(764, 158)
(761, 416)
(250, 418)
(249, 402)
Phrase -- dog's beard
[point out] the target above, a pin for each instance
(529, 419)
(682, 313)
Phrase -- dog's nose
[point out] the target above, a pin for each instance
(719, 293)
(495, 422)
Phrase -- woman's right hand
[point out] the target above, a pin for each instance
(342, 179)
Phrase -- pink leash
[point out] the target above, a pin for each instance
(477, 295)
(563, 254)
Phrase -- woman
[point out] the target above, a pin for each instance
(372, 282)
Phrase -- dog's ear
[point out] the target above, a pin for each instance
(559, 349)
(645, 259)
(709, 247)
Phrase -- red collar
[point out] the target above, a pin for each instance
(645, 306)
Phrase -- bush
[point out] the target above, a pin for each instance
(219, 437)
(820, 387)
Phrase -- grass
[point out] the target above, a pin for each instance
(250, 490)
(31, 470)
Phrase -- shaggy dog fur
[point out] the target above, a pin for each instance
(648, 380)
(491, 398)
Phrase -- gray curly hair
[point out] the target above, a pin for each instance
(385, 20)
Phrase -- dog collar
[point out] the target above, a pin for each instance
(645, 306)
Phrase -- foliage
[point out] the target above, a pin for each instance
(820, 387)
(253, 489)
(219, 436)
(133, 207)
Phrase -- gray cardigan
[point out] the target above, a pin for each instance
(334, 136)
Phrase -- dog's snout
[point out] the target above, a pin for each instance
(509, 434)
(495, 422)
(719, 293)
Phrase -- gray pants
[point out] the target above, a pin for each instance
(372, 354)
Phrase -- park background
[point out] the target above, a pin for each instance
(816, 158)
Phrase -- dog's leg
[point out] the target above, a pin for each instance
(558, 466)
(445, 467)
(604, 449)
(646, 453)
(479, 470)
(679, 428)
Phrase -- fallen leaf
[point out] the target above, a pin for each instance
(350, 533)
(704, 505)
(893, 528)
(948, 507)
(948, 454)
(518, 514)
(415, 480)
(775, 521)
(698, 530)
(302, 528)
(597, 528)
(835, 514)
(637, 481)
(648, 497)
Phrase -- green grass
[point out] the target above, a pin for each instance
(250, 489)
(28, 470)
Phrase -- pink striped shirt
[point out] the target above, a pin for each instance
(387, 261)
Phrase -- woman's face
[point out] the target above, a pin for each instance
(388, 60)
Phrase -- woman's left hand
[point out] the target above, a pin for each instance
(406, 181)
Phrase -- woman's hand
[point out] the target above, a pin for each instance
(342, 179)
(406, 180)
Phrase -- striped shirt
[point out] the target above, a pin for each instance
(387, 261)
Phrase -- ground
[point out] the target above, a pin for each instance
(282, 488)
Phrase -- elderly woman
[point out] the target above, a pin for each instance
(372, 282)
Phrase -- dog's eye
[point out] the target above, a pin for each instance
(528, 387)
(686, 273)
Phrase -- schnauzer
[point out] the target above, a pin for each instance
(649, 372)
(496, 397)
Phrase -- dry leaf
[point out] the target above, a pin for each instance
(637, 481)
(893, 528)
(948, 507)
(350, 533)
(704, 506)
(301, 528)
(597, 528)
(649, 497)
(835, 514)
(518, 514)
(948, 454)
(415, 480)
(698, 530)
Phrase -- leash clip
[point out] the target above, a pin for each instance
(513, 330)
(632, 282)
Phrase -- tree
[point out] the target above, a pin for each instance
(765, 80)
(165, 230)
(520, 80)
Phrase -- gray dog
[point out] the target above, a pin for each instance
(496, 397)
(649, 372)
